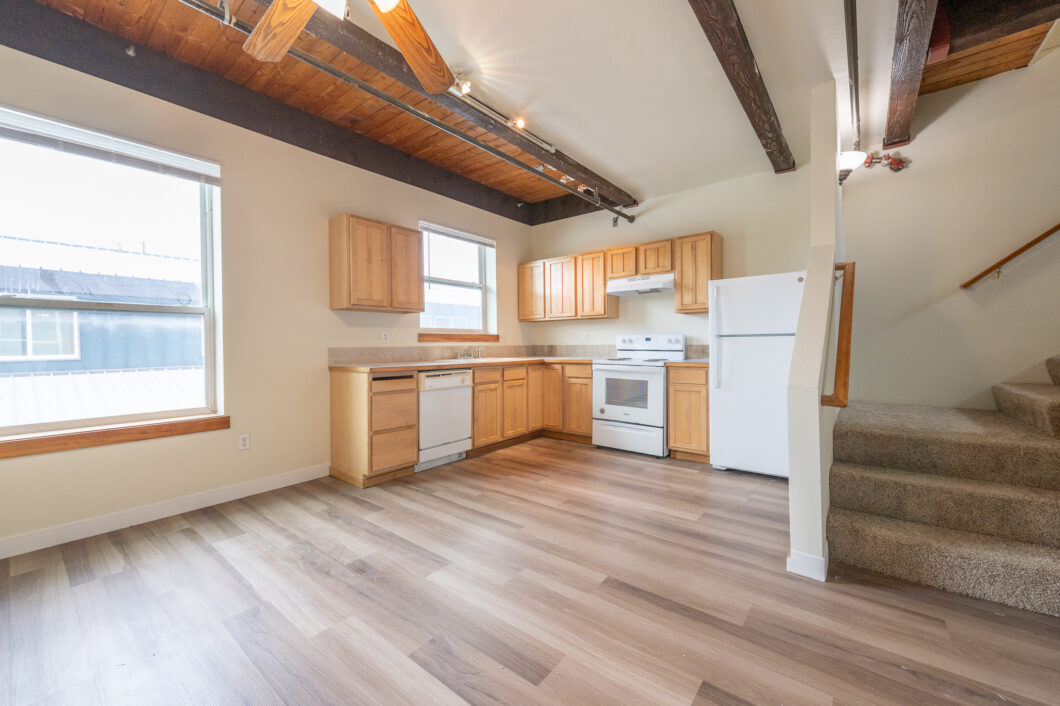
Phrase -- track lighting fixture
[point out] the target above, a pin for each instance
(849, 161)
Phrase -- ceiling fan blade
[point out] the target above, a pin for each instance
(278, 28)
(412, 40)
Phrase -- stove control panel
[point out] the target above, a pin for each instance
(651, 342)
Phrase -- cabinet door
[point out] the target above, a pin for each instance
(514, 406)
(578, 406)
(621, 262)
(406, 269)
(532, 291)
(688, 418)
(560, 299)
(535, 397)
(553, 398)
(486, 414)
(593, 302)
(696, 264)
(655, 258)
(369, 263)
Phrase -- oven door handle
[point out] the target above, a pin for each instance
(641, 369)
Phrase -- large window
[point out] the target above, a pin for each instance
(106, 279)
(459, 281)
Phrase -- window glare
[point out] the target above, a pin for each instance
(450, 258)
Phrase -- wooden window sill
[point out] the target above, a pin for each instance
(48, 442)
(453, 337)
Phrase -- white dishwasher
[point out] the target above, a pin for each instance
(445, 416)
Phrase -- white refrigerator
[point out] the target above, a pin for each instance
(752, 334)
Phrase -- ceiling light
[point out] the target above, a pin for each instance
(849, 161)
(386, 5)
(517, 123)
(465, 86)
(335, 7)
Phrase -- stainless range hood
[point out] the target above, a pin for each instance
(647, 284)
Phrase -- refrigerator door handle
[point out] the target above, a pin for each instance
(714, 369)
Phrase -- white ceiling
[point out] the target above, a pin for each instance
(632, 88)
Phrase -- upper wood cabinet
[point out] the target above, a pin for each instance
(532, 291)
(560, 282)
(406, 269)
(655, 258)
(374, 266)
(621, 262)
(593, 302)
(697, 260)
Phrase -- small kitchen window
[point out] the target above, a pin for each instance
(107, 288)
(459, 282)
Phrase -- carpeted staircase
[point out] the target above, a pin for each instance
(963, 500)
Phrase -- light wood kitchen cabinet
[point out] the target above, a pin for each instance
(486, 409)
(621, 262)
(552, 417)
(578, 399)
(374, 426)
(593, 301)
(655, 258)
(514, 403)
(406, 269)
(535, 397)
(688, 412)
(374, 266)
(697, 260)
(532, 291)
(560, 286)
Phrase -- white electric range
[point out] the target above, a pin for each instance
(629, 393)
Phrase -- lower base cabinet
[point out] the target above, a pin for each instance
(578, 399)
(552, 405)
(688, 412)
(374, 426)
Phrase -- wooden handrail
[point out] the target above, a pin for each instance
(841, 386)
(996, 267)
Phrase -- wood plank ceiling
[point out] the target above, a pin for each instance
(1012, 52)
(194, 38)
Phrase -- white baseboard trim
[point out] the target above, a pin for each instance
(809, 565)
(90, 527)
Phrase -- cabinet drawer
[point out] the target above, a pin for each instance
(394, 449)
(407, 382)
(578, 371)
(518, 373)
(394, 411)
(688, 376)
(487, 375)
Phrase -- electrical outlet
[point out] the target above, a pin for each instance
(243, 442)
(386, 337)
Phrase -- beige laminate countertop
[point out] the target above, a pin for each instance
(448, 364)
(689, 363)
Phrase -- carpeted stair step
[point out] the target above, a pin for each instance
(1037, 404)
(970, 443)
(1007, 511)
(1013, 573)
(1053, 365)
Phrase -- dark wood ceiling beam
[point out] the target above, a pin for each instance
(388, 61)
(975, 22)
(724, 30)
(912, 36)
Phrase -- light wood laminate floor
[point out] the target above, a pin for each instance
(547, 572)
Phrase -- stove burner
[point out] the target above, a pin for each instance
(655, 360)
(617, 359)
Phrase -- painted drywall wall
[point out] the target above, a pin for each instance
(764, 222)
(276, 200)
(984, 180)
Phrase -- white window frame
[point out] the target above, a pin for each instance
(482, 285)
(45, 132)
(30, 356)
